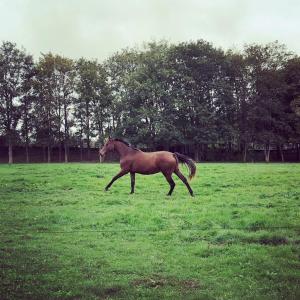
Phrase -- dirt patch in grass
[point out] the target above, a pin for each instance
(112, 291)
(157, 282)
(105, 292)
(273, 241)
(267, 241)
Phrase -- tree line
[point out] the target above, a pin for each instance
(191, 95)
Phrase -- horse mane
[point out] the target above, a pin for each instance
(127, 144)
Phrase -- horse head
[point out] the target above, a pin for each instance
(108, 146)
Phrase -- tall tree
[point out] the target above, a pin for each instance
(291, 101)
(240, 94)
(13, 68)
(196, 83)
(154, 87)
(26, 107)
(264, 64)
(119, 69)
(64, 69)
(47, 122)
(92, 101)
(55, 88)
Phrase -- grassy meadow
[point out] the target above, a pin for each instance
(63, 237)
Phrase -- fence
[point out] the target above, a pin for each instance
(38, 154)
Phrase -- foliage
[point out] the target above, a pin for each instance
(189, 96)
(14, 67)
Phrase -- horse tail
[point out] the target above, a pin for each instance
(188, 162)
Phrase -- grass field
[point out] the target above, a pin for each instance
(63, 237)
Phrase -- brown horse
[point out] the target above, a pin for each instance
(133, 161)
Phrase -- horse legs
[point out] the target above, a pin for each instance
(184, 180)
(171, 182)
(120, 174)
(132, 175)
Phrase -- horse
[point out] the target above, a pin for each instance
(133, 160)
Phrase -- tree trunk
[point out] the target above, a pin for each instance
(278, 152)
(197, 153)
(66, 151)
(81, 156)
(59, 149)
(267, 152)
(49, 135)
(66, 131)
(281, 152)
(88, 151)
(245, 149)
(80, 139)
(59, 130)
(44, 153)
(229, 151)
(49, 153)
(10, 152)
(8, 129)
(26, 133)
(27, 153)
(204, 151)
(88, 129)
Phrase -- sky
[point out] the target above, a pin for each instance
(99, 28)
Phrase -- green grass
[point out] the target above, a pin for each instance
(63, 237)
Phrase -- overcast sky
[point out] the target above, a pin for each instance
(98, 28)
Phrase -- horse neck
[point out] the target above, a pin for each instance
(122, 149)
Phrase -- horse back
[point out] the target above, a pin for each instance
(151, 162)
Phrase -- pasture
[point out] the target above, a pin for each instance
(63, 237)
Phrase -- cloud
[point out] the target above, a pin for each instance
(98, 28)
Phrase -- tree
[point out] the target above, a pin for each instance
(197, 66)
(264, 65)
(13, 69)
(236, 104)
(119, 69)
(291, 101)
(55, 93)
(92, 100)
(26, 107)
(47, 123)
(189, 97)
(152, 83)
(64, 69)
